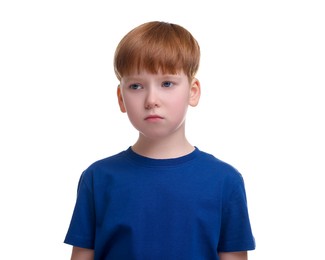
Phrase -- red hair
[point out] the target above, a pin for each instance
(157, 46)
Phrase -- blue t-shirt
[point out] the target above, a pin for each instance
(137, 208)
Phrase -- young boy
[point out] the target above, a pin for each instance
(162, 198)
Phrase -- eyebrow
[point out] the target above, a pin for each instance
(163, 76)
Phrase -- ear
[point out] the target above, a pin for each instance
(195, 92)
(120, 99)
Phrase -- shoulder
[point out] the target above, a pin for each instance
(108, 161)
(228, 179)
(225, 169)
(106, 166)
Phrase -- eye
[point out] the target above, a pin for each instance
(135, 86)
(167, 84)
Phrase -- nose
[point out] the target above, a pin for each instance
(152, 99)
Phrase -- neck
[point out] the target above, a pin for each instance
(162, 148)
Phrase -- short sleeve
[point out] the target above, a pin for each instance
(81, 231)
(236, 233)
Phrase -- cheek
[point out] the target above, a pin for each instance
(130, 102)
(178, 102)
(132, 106)
(177, 111)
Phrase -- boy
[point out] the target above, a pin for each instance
(162, 198)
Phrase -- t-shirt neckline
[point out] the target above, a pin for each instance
(151, 162)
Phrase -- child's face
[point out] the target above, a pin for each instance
(156, 104)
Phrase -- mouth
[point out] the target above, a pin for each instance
(153, 118)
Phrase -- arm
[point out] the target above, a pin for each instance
(79, 253)
(233, 255)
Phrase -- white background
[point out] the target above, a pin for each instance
(262, 110)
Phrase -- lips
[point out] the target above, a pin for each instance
(153, 118)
